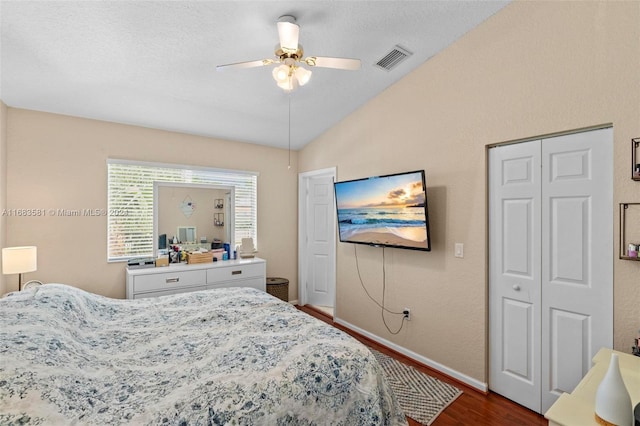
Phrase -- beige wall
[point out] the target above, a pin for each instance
(3, 183)
(533, 69)
(171, 216)
(56, 161)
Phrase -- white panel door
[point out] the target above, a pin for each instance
(514, 272)
(551, 204)
(577, 266)
(321, 241)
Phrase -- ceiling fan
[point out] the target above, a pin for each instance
(289, 54)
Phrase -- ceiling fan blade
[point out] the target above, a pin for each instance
(288, 33)
(248, 64)
(339, 63)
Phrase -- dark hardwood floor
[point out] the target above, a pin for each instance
(471, 408)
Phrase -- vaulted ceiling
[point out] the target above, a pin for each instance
(153, 63)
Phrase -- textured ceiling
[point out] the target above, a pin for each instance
(152, 63)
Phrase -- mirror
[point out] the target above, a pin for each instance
(187, 234)
(188, 212)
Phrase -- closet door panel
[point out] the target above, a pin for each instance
(569, 347)
(514, 272)
(569, 220)
(577, 265)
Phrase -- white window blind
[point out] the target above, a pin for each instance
(130, 202)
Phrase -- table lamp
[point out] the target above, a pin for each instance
(18, 260)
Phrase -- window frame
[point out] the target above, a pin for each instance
(132, 206)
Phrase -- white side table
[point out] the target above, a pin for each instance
(578, 407)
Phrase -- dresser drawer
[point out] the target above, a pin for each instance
(235, 272)
(169, 280)
(255, 282)
(169, 292)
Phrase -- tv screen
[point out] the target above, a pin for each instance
(387, 211)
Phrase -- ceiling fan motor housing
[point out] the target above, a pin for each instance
(285, 54)
(287, 18)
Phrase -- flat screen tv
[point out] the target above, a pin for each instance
(385, 211)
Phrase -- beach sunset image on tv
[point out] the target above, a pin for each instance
(386, 210)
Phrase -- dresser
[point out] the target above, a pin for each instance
(578, 407)
(181, 277)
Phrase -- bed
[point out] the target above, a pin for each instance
(216, 357)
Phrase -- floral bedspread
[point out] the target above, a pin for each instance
(217, 357)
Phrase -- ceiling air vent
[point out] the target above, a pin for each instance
(393, 58)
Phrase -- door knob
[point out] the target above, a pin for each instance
(516, 287)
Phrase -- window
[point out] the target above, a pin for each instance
(130, 202)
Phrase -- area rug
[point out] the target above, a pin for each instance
(421, 397)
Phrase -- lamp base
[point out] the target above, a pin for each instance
(602, 421)
(28, 284)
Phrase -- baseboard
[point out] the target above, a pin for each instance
(456, 375)
(293, 302)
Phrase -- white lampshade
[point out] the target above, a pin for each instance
(18, 260)
(302, 75)
(281, 74)
(288, 85)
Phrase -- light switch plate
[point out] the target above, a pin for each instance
(459, 250)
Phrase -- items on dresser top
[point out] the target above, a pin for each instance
(141, 262)
(194, 253)
(247, 249)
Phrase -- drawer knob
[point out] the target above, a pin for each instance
(172, 280)
(236, 272)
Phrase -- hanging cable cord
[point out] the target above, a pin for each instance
(289, 97)
(384, 285)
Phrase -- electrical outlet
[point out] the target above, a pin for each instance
(407, 313)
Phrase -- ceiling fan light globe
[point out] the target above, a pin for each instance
(288, 86)
(281, 73)
(303, 75)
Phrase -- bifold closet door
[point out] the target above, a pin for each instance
(577, 261)
(551, 263)
(514, 272)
